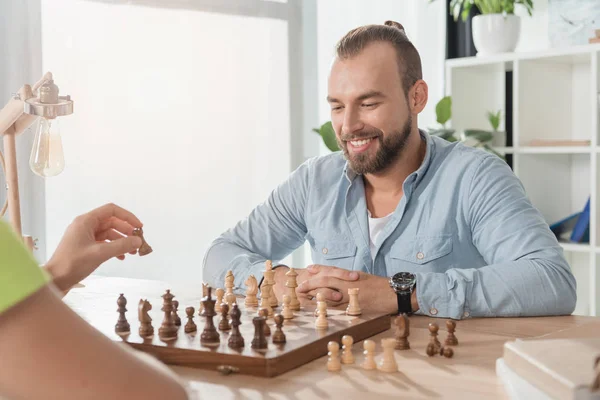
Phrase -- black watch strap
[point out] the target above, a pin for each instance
(404, 303)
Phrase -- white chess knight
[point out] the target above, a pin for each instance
(388, 362)
(353, 307)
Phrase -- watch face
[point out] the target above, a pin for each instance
(403, 281)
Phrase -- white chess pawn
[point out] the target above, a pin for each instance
(321, 322)
(369, 361)
(353, 307)
(231, 300)
(320, 299)
(219, 293)
(333, 362)
(388, 362)
(287, 312)
(347, 357)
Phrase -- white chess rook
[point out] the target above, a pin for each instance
(353, 307)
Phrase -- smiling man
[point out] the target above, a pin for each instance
(418, 224)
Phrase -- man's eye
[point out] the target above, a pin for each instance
(370, 105)
(336, 108)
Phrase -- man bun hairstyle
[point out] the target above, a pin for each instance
(392, 32)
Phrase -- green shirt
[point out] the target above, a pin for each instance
(20, 275)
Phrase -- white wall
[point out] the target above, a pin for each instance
(534, 29)
(181, 116)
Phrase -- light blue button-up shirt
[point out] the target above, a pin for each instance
(464, 226)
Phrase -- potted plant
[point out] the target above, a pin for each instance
(497, 29)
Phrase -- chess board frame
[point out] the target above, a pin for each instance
(277, 359)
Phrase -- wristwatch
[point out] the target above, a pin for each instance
(403, 284)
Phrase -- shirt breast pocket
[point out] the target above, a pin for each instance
(337, 252)
(428, 251)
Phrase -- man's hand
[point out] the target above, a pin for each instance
(375, 293)
(90, 240)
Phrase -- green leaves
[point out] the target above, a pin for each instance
(443, 110)
(328, 134)
(494, 119)
(479, 135)
(462, 8)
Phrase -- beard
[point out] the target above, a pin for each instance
(390, 149)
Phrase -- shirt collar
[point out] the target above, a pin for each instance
(418, 174)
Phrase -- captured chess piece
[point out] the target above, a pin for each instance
(388, 362)
(353, 307)
(263, 313)
(251, 291)
(168, 329)
(278, 335)
(146, 329)
(220, 293)
(224, 323)
(260, 341)
(333, 361)
(433, 332)
(321, 321)
(369, 352)
(292, 284)
(236, 340)
(402, 331)
(287, 312)
(122, 326)
(347, 356)
(209, 335)
(176, 318)
(145, 247)
(190, 326)
(446, 352)
(451, 340)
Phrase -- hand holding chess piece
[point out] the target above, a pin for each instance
(145, 247)
(122, 326)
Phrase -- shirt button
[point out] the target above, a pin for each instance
(325, 250)
(433, 311)
(466, 314)
(420, 255)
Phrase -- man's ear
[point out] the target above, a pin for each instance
(418, 96)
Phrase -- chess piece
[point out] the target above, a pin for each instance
(122, 326)
(263, 313)
(430, 350)
(402, 331)
(146, 329)
(388, 362)
(353, 307)
(168, 329)
(260, 341)
(236, 340)
(451, 340)
(333, 362)
(433, 332)
(287, 309)
(229, 283)
(278, 335)
(292, 284)
(224, 323)
(145, 247)
(446, 352)
(369, 352)
(321, 321)
(320, 299)
(201, 306)
(220, 293)
(265, 293)
(190, 326)
(209, 334)
(269, 275)
(176, 318)
(347, 356)
(251, 291)
(230, 299)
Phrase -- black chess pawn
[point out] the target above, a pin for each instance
(263, 312)
(224, 323)
(176, 319)
(278, 335)
(451, 339)
(190, 326)
(122, 326)
(433, 332)
(236, 340)
(209, 334)
(260, 341)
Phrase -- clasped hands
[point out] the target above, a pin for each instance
(374, 293)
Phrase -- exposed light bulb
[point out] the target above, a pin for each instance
(47, 158)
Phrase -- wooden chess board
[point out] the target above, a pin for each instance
(303, 344)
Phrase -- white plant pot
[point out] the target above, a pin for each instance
(495, 33)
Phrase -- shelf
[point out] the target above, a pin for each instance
(577, 247)
(546, 150)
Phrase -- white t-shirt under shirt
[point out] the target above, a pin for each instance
(376, 225)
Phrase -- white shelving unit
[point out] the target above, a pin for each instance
(555, 96)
